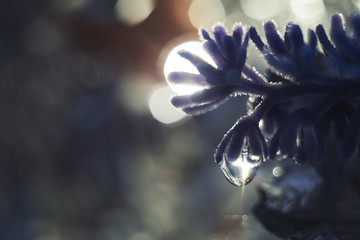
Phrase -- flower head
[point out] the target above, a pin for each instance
(291, 56)
(229, 54)
(343, 54)
(294, 107)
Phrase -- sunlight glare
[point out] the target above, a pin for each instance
(175, 63)
(246, 169)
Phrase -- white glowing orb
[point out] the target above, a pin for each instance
(175, 63)
(133, 12)
(308, 9)
(260, 9)
(161, 107)
(204, 13)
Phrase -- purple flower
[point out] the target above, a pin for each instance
(343, 55)
(306, 95)
(290, 56)
(230, 77)
(297, 137)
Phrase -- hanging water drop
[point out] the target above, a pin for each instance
(242, 170)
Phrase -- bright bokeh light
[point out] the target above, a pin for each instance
(260, 9)
(175, 63)
(204, 13)
(134, 11)
(356, 3)
(308, 9)
(161, 107)
(278, 171)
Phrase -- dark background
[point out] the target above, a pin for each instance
(81, 155)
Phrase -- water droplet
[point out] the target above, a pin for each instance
(242, 170)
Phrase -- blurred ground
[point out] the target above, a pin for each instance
(82, 156)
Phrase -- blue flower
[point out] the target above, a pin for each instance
(306, 95)
(291, 56)
(343, 55)
(229, 55)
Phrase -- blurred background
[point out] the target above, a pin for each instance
(90, 147)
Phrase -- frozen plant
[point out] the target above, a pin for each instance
(310, 93)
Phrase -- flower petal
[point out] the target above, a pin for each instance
(293, 37)
(275, 42)
(219, 33)
(214, 51)
(200, 109)
(343, 44)
(203, 67)
(187, 78)
(236, 143)
(204, 96)
(237, 35)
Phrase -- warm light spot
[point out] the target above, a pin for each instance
(161, 107)
(204, 13)
(261, 10)
(175, 63)
(134, 11)
(308, 9)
